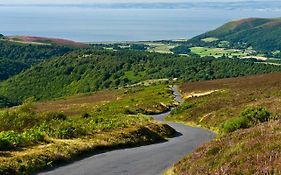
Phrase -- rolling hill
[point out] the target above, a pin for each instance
(90, 70)
(252, 146)
(46, 41)
(259, 33)
(16, 57)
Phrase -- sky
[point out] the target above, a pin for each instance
(107, 1)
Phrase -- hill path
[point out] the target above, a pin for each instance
(145, 160)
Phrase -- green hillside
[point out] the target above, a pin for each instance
(259, 33)
(15, 57)
(91, 70)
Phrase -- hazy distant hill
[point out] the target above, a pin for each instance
(259, 33)
(47, 41)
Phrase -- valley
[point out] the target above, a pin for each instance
(106, 107)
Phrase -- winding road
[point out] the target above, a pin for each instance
(145, 160)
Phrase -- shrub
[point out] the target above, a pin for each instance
(20, 118)
(17, 120)
(130, 111)
(235, 124)
(256, 115)
(64, 129)
(181, 108)
(85, 115)
(33, 135)
(54, 116)
(248, 117)
(11, 139)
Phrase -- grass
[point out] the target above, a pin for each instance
(235, 104)
(36, 136)
(160, 47)
(38, 157)
(210, 39)
(217, 52)
(231, 96)
(134, 76)
(251, 151)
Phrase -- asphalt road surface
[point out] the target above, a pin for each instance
(145, 160)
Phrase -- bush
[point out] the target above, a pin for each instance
(249, 117)
(64, 129)
(17, 120)
(85, 115)
(181, 108)
(256, 115)
(11, 139)
(54, 116)
(32, 136)
(235, 124)
(130, 111)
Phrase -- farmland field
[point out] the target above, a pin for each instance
(210, 39)
(217, 52)
(160, 47)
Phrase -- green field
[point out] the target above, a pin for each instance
(160, 47)
(210, 39)
(217, 52)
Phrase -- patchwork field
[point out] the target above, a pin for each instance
(217, 52)
(160, 47)
(210, 39)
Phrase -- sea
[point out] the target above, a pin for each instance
(134, 22)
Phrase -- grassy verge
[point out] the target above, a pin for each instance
(40, 135)
(250, 151)
(58, 151)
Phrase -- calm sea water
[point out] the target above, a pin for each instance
(92, 24)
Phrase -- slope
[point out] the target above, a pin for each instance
(91, 70)
(249, 106)
(259, 33)
(16, 57)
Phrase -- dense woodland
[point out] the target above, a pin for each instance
(181, 49)
(15, 57)
(91, 70)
